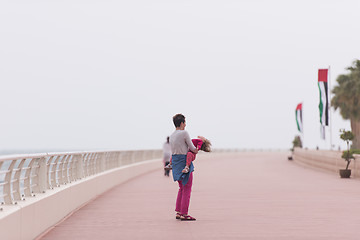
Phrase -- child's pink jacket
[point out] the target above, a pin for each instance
(190, 156)
(197, 143)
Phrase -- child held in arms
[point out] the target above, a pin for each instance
(200, 143)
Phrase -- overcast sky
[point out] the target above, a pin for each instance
(94, 75)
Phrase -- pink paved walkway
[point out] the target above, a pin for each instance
(245, 196)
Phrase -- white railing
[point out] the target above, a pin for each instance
(23, 176)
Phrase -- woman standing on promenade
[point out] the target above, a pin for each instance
(180, 143)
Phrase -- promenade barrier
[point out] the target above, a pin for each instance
(326, 160)
(39, 190)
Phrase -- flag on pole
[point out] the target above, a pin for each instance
(323, 89)
(298, 117)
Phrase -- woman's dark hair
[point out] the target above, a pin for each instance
(178, 119)
(168, 139)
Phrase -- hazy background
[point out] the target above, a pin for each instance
(93, 75)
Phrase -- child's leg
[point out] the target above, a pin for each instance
(189, 158)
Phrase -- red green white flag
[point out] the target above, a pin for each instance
(323, 90)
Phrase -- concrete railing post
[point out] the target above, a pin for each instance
(120, 156)
(79, 166)
(133, 153)
(42, 175)
(7, 186)
(103, 158)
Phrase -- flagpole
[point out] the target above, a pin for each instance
(302, 127)
(330, 124)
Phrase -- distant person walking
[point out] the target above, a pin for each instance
(167, 155)
(180, 144)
